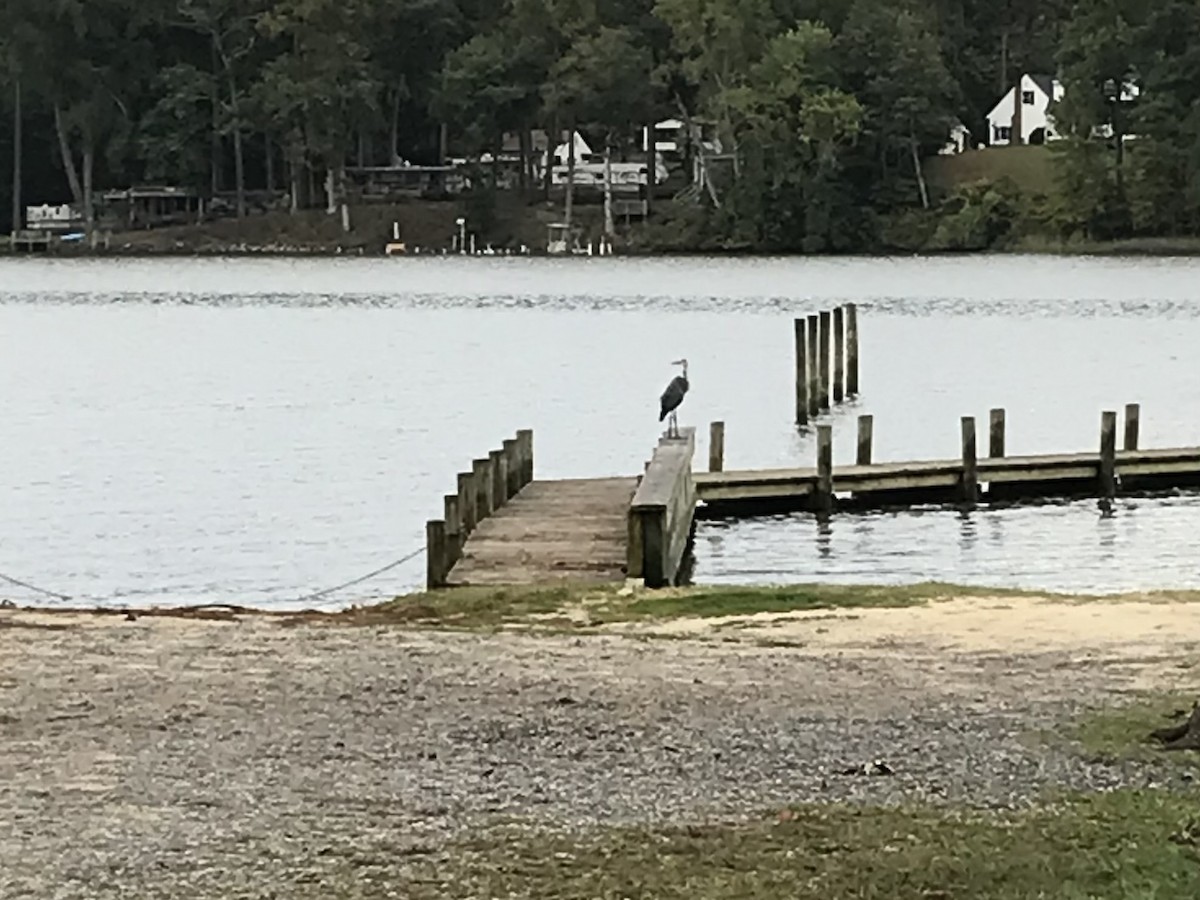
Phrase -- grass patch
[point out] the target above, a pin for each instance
(1030, 167)
(1106, 847)
(584, 606)
(1122, 733)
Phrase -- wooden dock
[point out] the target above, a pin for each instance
(503, 527)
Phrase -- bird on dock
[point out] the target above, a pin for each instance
(672, 397)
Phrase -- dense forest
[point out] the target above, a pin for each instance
(828, 106)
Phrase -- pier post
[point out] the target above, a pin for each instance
(839, 355)
(1108, 453)
(525, 440)
(801, 371)
(1133, 415)
(814, 379)
(716, 445)
(866, 429)
(970, 462)
(823, 361)
(823, 499)
(512, 465)
(435, 554)
(996, 434)
(466, 503)
(454, 536)
(851, 350)
(482, 471)
(499, 479)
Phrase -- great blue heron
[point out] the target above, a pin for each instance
(672, 397)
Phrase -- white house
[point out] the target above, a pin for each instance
(1037, 125)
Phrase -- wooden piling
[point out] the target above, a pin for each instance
(866, 429)
(499, 479)
(512, 465)
(454, 536)
(814, 380)
(482, 470)
(1108, 453)
(716, 445)
(525, 440)
(851, 350)
(839, 355)
(996, 422)
(970, 462)
(435, 554)
(801, 371)
(466, 503)
(823, 360)
(1133, 415)
(823, 498)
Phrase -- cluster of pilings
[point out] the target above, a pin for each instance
(826, 360)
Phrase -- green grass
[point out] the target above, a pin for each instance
(585, 606)
(1113, 846)
(1031, 168)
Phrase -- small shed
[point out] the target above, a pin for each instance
(153, 206)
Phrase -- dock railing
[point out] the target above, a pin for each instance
(493, 481)
(662, 513)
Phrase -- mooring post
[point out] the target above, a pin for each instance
(525, 438)
(716, 445)
(1133, 415)
(839, 355)
(970, 462)
(801, 371)
(454, 535)
(482, 470)
(866, 429)
(466, 503)
(512, 465)
(1108, 453)
(996, 433)
(823, 360)
(814, 378)
(823, 500)
(499, 479)
(435, 554)
(851, 350)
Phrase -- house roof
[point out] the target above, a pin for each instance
(1045, 83)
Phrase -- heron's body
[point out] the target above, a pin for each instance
(672, 397)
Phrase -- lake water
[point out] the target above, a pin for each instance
(248, 431)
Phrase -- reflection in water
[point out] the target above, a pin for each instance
(248, 430)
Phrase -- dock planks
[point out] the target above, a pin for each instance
(1008, 475)
(551, 531)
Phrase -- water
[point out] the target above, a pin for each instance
(247, 431)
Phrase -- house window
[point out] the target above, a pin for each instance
(1002, 132)
(1027, 98)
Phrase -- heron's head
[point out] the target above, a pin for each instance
(680, 362)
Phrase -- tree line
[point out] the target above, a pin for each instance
(826, 107)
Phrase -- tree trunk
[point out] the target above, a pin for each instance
(341, 196)
(89, 205)
(651, 165)
(916, 161)
(68, 158)
(330, 193)
(239, 167)
(294, 180)
(18, 219)
(525, 142)
(269, 159)
(1018, 125)
(609, 228)
(552, 138)
(443, 143)
(394, 145)
(570, 202)
(1185, 736)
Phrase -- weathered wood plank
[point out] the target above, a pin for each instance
(665, 505)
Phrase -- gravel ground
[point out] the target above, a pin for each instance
(176, 758)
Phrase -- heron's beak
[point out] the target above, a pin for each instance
(679, 362)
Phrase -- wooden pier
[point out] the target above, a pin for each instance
(502, 527)
(963, 481)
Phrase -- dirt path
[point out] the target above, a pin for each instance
(178, 758)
